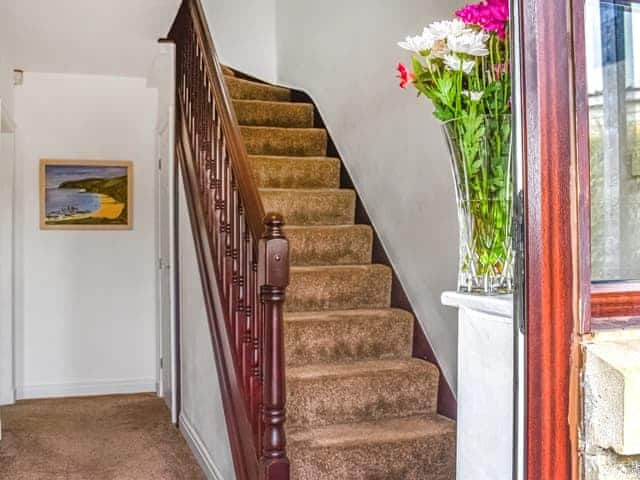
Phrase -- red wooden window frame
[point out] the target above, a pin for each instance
(615, 303)
(557, 267)
(559, 297)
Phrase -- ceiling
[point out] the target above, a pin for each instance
(104, 37)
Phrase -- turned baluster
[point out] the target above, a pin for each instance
(220, 205)
(246, 302)
(255, 384)
(227, 269)
(234, 303)
(274, 278)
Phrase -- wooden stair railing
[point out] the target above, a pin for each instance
(243, 254)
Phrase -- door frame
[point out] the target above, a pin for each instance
(163, 78)
(167, 164)
(7, 262)
(557, 270)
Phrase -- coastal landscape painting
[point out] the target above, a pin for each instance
(77, 195)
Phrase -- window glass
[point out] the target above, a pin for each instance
(613, 76)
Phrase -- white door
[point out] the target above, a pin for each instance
(166, 269)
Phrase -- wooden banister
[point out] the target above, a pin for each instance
(243, 254)
(224, 107)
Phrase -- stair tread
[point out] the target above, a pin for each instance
(295, 172)
(294, 141)
(294, 158)
(375, 432)
(315, 206)
(267, 103)
(292, 130)
(359, 368)
(335, 268)
(338, 287)
(343, 336)
(298, 228)
(342, 314)
(242, 89)
(273, 113)
(304, 191)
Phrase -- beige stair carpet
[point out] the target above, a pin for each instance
(358, 406)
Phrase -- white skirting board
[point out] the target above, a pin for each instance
(81, 389)
(199, 449)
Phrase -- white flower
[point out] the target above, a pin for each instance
(447, 28)
(474, 95)
(453, 62)
(419, 43)
(470, 43)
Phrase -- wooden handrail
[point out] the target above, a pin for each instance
(243, 254)
(240, 160)
(238, 424)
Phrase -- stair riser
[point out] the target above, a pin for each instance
(308, 207)
(345, 339)
(274, 114)
(283, 172)
(336, 246)
(361, 398)
(311, 291)
(245, 90)
(301, 142)
(430, 458)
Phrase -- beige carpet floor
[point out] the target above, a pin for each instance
(119, 437)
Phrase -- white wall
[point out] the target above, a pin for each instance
(86, 299)
(7, 45)
(344, 54)
(202, 415)
(244, 32)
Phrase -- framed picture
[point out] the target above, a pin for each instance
(86, 195)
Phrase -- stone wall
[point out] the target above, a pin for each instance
(611, 423)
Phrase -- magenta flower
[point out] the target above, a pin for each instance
(491, 15)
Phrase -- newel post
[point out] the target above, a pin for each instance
(274, 278)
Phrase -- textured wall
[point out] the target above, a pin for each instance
(344, 54)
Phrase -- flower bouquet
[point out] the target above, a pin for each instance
(463, 67)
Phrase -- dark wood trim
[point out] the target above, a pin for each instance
(244, 454)
(554, 288)
(447, 404)
(615, 300)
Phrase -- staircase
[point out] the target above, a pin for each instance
(358, 405)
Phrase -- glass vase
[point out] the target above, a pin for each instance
(480, 149)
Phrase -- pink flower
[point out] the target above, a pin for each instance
(491, 15)
(405, 76)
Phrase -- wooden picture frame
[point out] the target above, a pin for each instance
(86, 195)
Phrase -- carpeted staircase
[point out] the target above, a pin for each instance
(358, 406)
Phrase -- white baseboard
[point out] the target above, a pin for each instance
(199, 449)
(81, 389)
